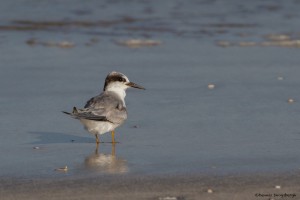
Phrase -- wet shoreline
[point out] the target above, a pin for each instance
(158, 187)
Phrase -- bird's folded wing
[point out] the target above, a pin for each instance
(96, 115)
(91, 116)
(105, 100)
(117, 115)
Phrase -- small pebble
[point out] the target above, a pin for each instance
(277, 187)
(291, 100)
(280, 78)
(209, 191)
(211, 86)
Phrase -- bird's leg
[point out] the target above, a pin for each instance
(97, 139)
(113, 149)
(96, 150)
(97, 144)
(113, 137)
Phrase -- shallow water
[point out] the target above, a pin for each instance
(244, 125)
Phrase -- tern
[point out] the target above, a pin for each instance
(106, 111)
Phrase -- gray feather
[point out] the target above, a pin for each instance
(105, 107)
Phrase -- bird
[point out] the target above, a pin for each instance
(107, 111)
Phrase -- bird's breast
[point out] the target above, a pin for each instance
(96, 127)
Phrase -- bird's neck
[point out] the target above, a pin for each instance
(120, 92)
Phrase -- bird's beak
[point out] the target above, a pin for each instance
(134, 85)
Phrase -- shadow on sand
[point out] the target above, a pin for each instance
(58, 138)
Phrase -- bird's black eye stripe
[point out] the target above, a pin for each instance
(110, 79)
(121, 79)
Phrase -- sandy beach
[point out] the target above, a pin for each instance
(249, 187)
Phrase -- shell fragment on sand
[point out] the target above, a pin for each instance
(290, 100)
(62, 169)
(171, 198)
(209, 191)
(278, 187)
(137, 43)
(280, 78)
(211, 86)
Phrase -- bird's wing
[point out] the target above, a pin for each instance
(108, 104)
(117, 115)
(104, 107)
(88, 114)
(91, 116)
(104, 100)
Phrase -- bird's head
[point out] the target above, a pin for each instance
(116, 81)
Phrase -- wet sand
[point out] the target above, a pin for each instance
(188, 187)
(221, 109)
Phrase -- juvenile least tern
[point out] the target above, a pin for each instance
(107, 111)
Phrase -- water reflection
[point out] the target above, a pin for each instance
(106, 163)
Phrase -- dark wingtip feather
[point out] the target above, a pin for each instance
(75, 111)
(66, 112)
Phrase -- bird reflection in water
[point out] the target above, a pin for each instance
(106, 163)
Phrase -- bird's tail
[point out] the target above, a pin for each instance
(74, 112)
(66, 112)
